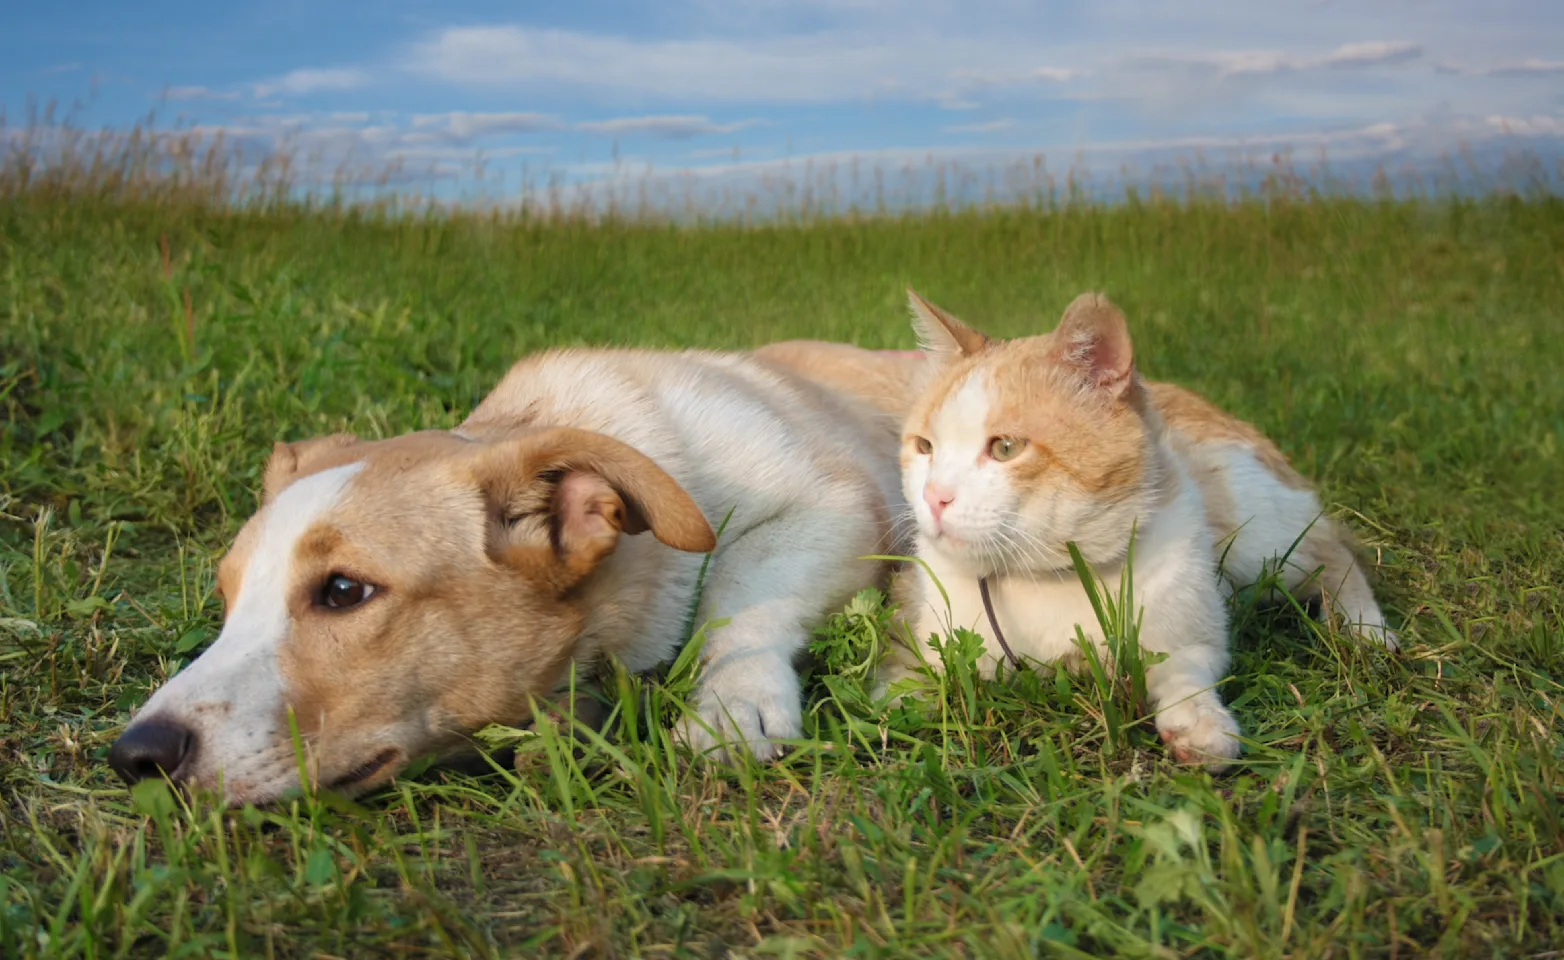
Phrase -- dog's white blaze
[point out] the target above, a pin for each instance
(231, 695)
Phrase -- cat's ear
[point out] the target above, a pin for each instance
(941, 335)
(1094, 337)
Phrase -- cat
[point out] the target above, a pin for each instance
(1017, 447)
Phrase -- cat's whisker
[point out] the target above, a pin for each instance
(1017, 552)
(1027, 546)
(1049, 553)
(1032, 553)
(903, 524)
(1020, 553)
(997, 555)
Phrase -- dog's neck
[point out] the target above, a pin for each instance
(491, 429)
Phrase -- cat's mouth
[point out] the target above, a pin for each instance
(957, 545)
(941, 532)
(981, 554)
(955, 533)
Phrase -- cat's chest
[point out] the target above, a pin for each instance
(1038, 617)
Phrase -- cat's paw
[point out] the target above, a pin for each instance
(891, 673)
(1200, 732)
(1377, 633)
(1361, 618)
(750, 709)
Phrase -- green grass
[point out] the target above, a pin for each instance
(1404, 354)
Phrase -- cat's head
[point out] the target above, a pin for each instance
(1019, 446)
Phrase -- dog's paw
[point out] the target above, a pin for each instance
(1200, 732)
(750, 709)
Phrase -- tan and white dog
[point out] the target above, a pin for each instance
(397, 595)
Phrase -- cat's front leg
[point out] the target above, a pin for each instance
(1190, 715)
(920, 615)
(923, 615)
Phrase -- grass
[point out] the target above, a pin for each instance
(1404, 353)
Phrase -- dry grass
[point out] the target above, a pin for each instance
(52, 159)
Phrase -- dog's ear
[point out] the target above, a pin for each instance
(289, 461)
(941, 336)
(560, 500)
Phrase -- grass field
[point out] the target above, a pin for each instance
(1405, 354)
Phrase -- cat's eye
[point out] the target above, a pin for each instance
(340, 592)
(923, 445)
(1005, 448)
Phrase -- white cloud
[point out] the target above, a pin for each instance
(957, 67)
(300, 83)
(303, 134)
(1075, 71)
(1372, 53)
(468, 154)
(983, 78)
(968, 81)
(1537, 126)
(991, 126)
(1243, 63)
(1367, 139)
(1525, 68)
(670, 127)
(1351, 155)
(732, 153)
(326, 141)
(1531, 67)
(783, 68)
(1054, 74)
(460, 126)
(198, 93)
(821, 67)
(877, 8)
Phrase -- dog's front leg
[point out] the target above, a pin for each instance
(774, 585)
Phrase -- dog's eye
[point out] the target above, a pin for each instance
(341, 592)
(923, 445)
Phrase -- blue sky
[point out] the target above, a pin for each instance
(724, 86)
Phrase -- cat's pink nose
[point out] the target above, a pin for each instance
(938, 498)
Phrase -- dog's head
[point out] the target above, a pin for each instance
(396, 596)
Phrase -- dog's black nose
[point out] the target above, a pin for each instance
(149, 749)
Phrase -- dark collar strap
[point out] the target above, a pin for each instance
(993, 622)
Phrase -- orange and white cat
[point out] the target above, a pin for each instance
(1018, 447)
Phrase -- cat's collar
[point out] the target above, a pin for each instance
(993, 623)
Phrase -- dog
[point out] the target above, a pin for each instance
(391, 597)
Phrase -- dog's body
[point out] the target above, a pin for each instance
(397, 595)
(737, 435)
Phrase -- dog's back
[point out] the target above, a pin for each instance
(887, 380)
(730, 427)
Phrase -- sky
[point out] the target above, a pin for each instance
(722, 88)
